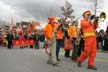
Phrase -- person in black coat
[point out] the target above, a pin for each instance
(106, 40)
(9, 39)
(100, 40)
(26, 38)
(31, 38)
(42, 40)
(36, 40)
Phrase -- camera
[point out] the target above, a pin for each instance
(93, 17)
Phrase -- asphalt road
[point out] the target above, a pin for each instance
(31, 60)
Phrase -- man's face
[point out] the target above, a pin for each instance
(51, 22)
(87, 16)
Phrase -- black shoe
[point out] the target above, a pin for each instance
(79, 64)
(92, 67)
(58, 59)
(49, 62)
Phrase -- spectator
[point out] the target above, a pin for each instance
(42, 40)
(100, 39)
(36, 40)
(106, 40)
(9, 39)
(31, 38)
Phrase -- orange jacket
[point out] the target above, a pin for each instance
(88, 27)
(59, 33)
(73, 30)
(48, 31)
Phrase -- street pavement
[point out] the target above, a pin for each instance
(32, 60)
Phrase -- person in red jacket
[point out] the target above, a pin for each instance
(90, 46)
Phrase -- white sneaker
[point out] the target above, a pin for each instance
(99, 50)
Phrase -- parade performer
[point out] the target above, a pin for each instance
(75, 36)
(67, 41)
(51, 41)
(52, 44)
(59, 37)
(90, 45)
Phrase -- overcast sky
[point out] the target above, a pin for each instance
(33, 10)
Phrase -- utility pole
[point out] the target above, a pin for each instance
(95, 6)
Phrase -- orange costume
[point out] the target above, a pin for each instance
(67, 42)
(73, 30)
(90, 46)
(59, 33)
(49, 28)
(74, 35)
(50, 34)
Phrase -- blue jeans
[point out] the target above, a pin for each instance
(58, 45)
(100, 45)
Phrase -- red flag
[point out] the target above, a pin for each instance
(3, 34)
(11, 25)
(28, 29)
(20, 28)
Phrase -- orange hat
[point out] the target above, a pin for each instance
(51, 18)
(86, 12)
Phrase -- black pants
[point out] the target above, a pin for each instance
(79, 51)
(75, 51)
(9, 44)
(31, 46)
(105, 45)
(36, 45)
(81, 46)
(67, 53)
(21, 47)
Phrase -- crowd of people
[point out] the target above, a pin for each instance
(38, 38)
(83, 41)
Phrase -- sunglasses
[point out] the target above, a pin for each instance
(88, 14)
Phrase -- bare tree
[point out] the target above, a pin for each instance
(67, 12)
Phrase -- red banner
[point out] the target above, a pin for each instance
(23, 42)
